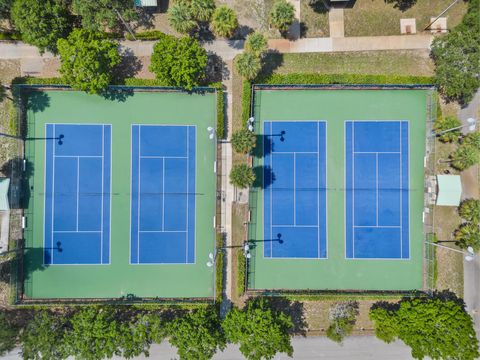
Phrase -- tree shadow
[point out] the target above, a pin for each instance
(37, 100)
(20, 174)
(270, 62)
(320, 6)
(128, 67)
(402, 5)
(241, 32)
(216, 69)
(203, 33)
(145, 18)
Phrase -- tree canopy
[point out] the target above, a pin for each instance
(102, 14)
(457, 57)
(256, 43)
(446, 123)
(43, 338)
(197, 335)
(248, 65)
(465, 156)
(469, 210)
(179, 62)
(468, 234)
(5, 7)
(181, 18)
(42, 23)
(437, 327)
(224, 21)
(243, 141)
(282, 15)
(260, 331)
(242, 176)
(8, 334)
(88, 61)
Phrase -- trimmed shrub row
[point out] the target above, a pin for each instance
(146, 35)
(313, 79)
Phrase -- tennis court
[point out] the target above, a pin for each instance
(377, 186)
(163, 194)
(121, 195)
(339, 197)
(295, 189)
(77, 194)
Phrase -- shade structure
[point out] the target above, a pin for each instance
(144, 3)
(4, 184)
(449, 190)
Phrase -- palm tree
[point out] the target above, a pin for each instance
(465, 156)
(282, 15)
(248, 65)
(256, 43)
(224, 21)
(472, 139)
(242, 176)
(180, 17)
(202, 10)
(468, 234)
(470, 210)
(446, 123)
(243, 141)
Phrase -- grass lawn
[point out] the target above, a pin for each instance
(377, 17)
(8, 150)
(314, 19)
(405, 62)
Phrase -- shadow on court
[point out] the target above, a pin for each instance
(37, 100)
(264, 176)
(19, 192)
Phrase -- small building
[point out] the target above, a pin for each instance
(146, 3)
(449, 190)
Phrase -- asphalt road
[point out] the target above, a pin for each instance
(311, 348)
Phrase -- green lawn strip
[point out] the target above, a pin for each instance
(314, 19)
(378, 17)
(386, 62)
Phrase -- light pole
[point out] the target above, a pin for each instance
(469, 254)
(213, 256)
(211, 132)
(471, 123)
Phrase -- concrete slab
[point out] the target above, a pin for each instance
(408, 26)
(335, 19)
(439, 25)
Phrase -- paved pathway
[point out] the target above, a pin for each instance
(335, 21)
(227, 188)
(310, 348)
(471, 188)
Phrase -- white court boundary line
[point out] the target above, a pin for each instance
(270, 122)
(52, 231)
(139, 126)
(400, 122)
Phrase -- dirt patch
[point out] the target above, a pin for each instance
(239, 234)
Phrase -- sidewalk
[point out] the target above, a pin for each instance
(228, 49)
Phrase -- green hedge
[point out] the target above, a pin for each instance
(325, 79)
(220, 115)
(147, 35)
(219, 269)
(313, 79)
(246, 100)
(10, 36)
(241, 261)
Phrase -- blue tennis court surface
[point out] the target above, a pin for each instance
(163, 194)
(377, 189)
(77, 194)
(295, 189)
